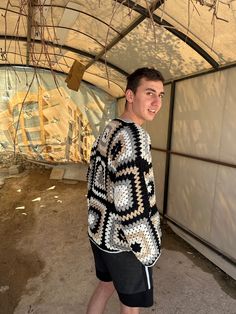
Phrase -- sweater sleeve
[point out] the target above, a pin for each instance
(134, 196)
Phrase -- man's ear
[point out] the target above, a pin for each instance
(129, 95)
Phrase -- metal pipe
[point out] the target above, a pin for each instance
(169, 140)
(213, 161)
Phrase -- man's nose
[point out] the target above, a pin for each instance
(157, 101)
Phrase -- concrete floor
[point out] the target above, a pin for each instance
(46, 266)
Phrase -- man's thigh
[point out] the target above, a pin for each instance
(132, 280)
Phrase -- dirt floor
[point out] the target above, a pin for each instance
(46, 266)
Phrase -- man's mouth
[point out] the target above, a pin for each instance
(152, 110)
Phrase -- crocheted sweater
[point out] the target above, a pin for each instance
(122, 212)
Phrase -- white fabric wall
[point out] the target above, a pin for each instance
(158, 130)
(202, 195)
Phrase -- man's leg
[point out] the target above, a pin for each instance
(101, 295)
(128, 310)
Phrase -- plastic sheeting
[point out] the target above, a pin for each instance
(42, 118)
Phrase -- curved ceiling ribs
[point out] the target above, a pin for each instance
(184, 37)
(29, 17)
(152, 8)
(33, 4)
(51, 42)
(67, 48)
(29, 40)
(81, 12)
(73, 30)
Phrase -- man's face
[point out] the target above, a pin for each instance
(146, 102)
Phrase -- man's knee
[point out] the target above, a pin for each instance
(107, 287)
(129, 310)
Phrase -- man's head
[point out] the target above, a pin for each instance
(143, 94)
(150, 74)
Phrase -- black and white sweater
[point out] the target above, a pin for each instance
(122, 212)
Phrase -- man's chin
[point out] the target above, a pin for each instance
(150, 118)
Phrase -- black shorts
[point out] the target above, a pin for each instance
(132, 280)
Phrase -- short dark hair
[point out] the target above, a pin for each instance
(150, 74)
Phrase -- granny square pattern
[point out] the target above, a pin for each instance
(122, 212)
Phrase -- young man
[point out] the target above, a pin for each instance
(123, 220)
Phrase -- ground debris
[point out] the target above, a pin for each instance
(38, 199)
(4, 289)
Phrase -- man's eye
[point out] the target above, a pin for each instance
(161, 95)
(149, 93)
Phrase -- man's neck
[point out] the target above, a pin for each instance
(129, 117)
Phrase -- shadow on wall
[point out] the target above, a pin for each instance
(198, 115)
(201, 194)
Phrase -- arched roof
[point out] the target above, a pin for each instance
(111, 38)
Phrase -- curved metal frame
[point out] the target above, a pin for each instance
(184, 37)
(71, 49)
(144, 13)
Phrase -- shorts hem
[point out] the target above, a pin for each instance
(141, 299)
(103, 276)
